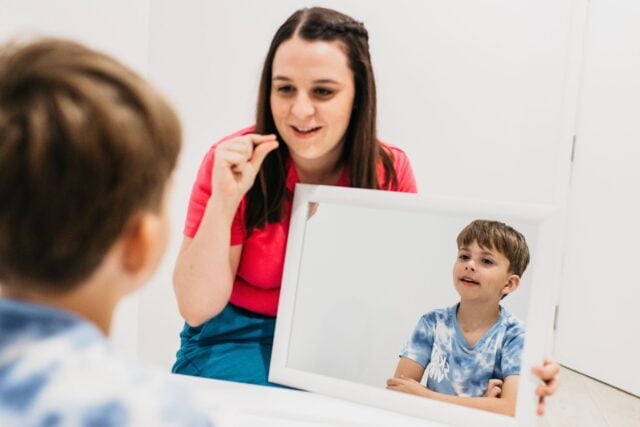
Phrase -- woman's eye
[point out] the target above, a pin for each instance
(323, 91)
(285, 89)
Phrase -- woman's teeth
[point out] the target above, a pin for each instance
(305, 130)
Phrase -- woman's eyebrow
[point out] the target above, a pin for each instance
(318, 81)
(325, 81)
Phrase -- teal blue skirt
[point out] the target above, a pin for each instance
(235, 345)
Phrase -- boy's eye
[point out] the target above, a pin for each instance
(487, 261)
(463, 257)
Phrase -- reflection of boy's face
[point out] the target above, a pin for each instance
(482, 274)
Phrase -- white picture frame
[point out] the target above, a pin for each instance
(541, 221)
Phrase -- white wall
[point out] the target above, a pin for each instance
(119, 27)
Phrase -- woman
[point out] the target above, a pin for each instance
(316, 123)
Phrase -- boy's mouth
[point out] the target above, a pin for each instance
(469, 281)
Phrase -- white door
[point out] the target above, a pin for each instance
(599, 311)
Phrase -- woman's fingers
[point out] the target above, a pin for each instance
(540, 410)
(236, 164)
(548, 373)
(548, 370)
(235, 154)
(548, 388)
(245, 144)
(260, 152)
(257, 138)
(242, 145)
(235, 160)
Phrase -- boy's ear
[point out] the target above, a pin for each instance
(137, 242)
(512, 284)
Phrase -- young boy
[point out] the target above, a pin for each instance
(87, 149)
(471, 351)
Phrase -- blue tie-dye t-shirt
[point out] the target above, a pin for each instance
(453, 367)
(58, 370)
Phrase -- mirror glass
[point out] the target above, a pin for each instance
(366, 276)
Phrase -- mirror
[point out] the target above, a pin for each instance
(363, 266)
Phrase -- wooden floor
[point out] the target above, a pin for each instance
(584, 402)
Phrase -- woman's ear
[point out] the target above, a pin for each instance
(512, 284)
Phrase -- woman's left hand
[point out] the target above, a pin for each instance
(548, 373)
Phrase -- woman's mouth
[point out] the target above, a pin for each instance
(305, 132)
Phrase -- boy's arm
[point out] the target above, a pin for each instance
(505, 404)
(409, 369)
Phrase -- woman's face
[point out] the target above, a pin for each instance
(312, 94)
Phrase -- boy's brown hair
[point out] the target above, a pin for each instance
(85, 144)
(496, 235)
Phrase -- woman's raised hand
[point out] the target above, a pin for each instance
(237, 162)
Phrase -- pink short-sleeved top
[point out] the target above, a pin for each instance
(257, 283)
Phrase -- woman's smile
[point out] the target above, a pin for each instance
(305, 132)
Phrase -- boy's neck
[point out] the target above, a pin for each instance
(95, 307)
(475, 315)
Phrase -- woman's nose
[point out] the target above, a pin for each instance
(302, 106)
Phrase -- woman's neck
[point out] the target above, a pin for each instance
(319, 177)
(321, 172)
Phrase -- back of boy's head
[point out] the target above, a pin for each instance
(495, 235)
(85, 145)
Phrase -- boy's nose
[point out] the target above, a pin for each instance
(469, 267)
